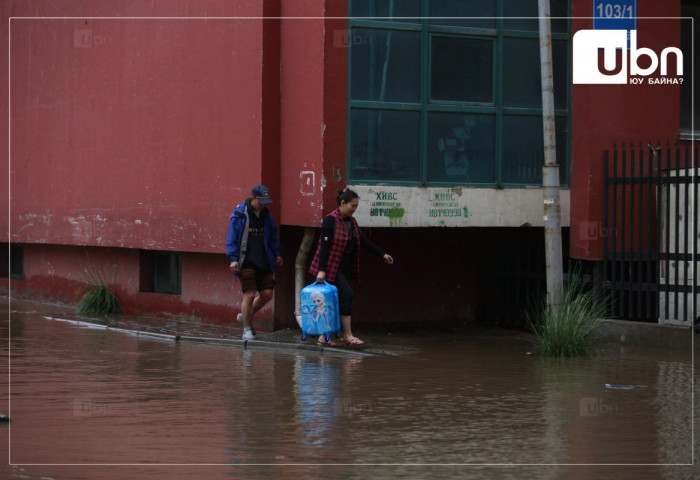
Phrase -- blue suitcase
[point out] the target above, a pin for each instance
(319, 310)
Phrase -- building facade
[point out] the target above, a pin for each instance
(135, 129)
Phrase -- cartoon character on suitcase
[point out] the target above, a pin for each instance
(319, 310)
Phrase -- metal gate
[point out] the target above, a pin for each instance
(651, 232)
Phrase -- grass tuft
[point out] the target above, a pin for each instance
(567, 331)
(98, 299)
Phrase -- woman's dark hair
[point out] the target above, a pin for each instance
(346, 195)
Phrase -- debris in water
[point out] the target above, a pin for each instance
(623, 387)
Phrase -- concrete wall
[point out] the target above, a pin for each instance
(388, 206)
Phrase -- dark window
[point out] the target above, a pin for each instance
(455, 98)
(461, 148)
(516, 12)
(471, 83)
(12, 263)
(522, 154)
(522, 84)
(160, 272)
(388, 10)
(385, 144)
(386, 65)
(463, 13)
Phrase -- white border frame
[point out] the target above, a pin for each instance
(9, 33)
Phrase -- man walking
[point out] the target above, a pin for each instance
(252, 246)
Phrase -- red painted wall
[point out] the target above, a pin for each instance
(134, 134)
(336, 102)
(54, 273)
(139, 133)
(302, 113)
(144, 133)
(602, 115)
(313, 109)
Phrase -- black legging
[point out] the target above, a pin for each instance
(346, 297)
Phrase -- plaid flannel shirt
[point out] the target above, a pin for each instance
(337, 247)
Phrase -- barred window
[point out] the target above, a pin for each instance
(445, 93)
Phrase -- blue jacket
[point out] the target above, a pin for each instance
(237, 238)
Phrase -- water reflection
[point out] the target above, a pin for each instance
(253, 405)
(585, 420)
(84, 396)
(672, 401)
(318, 398)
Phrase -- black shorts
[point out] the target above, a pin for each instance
(258, 280)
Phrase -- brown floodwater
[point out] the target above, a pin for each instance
(92, 403)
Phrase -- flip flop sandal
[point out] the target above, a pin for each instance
(352, 341)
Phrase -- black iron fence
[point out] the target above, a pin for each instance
(651, 232)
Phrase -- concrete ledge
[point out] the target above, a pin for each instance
(245, 344)
(627, 332)
(262, 345)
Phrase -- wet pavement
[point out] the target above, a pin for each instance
(186, 328)
(94, 402)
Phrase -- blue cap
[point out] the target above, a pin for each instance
(262, 193)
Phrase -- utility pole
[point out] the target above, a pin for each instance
(550, 170)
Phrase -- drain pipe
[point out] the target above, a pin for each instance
(300, 270)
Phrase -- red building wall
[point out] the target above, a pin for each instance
(143, 133)
(55, 273)
(313, 109)
(602, 115)
(135, 134)
(105, 110)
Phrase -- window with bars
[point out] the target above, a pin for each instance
(449, 93)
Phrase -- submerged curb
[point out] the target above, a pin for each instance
(245, 344)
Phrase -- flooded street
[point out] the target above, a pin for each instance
(94, 403)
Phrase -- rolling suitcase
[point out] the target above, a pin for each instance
(319, 310)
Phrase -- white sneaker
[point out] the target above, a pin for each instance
(239, 319)
(249, 334)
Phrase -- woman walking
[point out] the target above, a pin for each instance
(337, 258)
